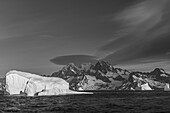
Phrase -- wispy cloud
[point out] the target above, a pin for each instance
(144, 32)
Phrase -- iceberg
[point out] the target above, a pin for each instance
(145, 87)
(18, 82)
(166, 88)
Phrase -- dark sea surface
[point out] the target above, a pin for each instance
(105, 102)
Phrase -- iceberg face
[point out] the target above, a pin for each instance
(15, 83)
(31, 84)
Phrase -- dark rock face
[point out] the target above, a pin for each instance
(103, 76)
(119, 78)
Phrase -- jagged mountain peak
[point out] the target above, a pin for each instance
(102, 66)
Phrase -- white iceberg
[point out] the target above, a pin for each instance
(166, 88)
(18, 82)
(145, 87)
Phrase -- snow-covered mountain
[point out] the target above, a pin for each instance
(157, 79)
(100, 76)
(103, 76)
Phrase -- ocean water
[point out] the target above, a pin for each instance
(105, 102)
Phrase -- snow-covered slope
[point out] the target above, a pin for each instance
(18, 82)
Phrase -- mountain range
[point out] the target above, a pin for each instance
(103, 76)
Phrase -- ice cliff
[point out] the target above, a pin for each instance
(18, 82)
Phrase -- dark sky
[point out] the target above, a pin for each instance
(41, 35)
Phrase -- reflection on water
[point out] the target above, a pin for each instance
(129, 102)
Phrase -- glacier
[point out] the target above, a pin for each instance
(18, 82)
